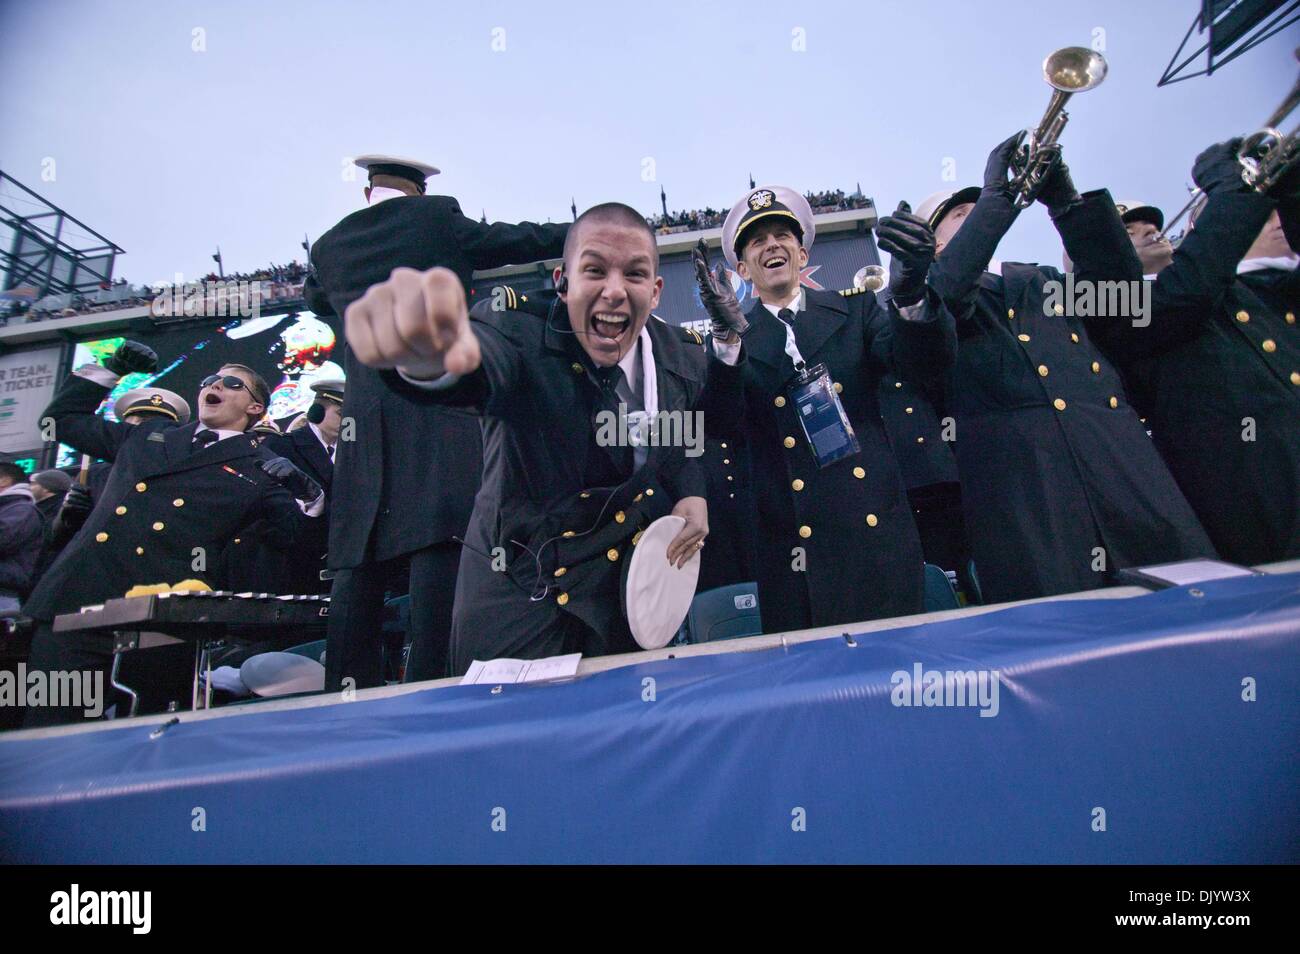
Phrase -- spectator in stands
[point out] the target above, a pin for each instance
(48, 488)
(21, 537)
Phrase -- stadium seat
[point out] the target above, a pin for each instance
(728, 612)
(939, 593)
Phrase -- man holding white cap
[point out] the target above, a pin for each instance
(1060, 483)
(838, 541)
(402, 462)
(1220, 360)
(563, 503)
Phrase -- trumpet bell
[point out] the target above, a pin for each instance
(1074, 69)
(871, 278)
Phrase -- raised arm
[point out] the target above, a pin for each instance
(73, 408)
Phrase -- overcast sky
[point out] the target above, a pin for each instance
(174, 127)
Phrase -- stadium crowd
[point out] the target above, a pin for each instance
(968, 417)
(280, 282)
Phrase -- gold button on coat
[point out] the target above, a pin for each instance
(797, 484)
(779, 401)
(649, 491)
(1059, 404)
(620, 517)
(158, 525)
(1011, 313)
(139, 551)
(1074, 337)
(562, 598)
(788, 442)
(611, 554)
(1042, 370)
(1290, 318)
(908, 410)
(805, 532)
(1269, 345)
(101, 537)
(859, 473)
(871, 520)
(1023, 337)
(577, 368)
(920, 440)
(178, 502)
(141, 487)
(561, 570)
(1295, 377)
(120, 510)
(839, 388)
(1243, 316)
(1114, 402)
(570, 533)
(1096, 367)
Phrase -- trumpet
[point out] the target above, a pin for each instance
(1070, 70)
(1264, 156)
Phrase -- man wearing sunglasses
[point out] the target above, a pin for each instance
(175, 497)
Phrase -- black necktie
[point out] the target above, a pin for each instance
(786, 315)
(330, 450)
(205, 437)
(609, 379)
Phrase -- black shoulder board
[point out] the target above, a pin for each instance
(691, 335)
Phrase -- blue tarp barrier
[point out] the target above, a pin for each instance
(1135, 715)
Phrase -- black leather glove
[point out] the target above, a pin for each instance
(909, 240)
(999, 164)
(729, 322)
(76, 507)
(131, 356)
(291, 478)
(1217, 169)
(1057, 190)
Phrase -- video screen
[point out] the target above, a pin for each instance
(289, 350)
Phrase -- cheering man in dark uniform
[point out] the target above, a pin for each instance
(560, 509)
(425, 465)
(838, 543)
(1060, 483)
(312, 448)
(1221, 361)
(175, 495)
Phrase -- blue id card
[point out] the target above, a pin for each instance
(825, 425)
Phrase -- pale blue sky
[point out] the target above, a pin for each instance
(169, 151)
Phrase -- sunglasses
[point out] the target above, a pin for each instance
(228, 381)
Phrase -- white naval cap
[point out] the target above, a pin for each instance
(763, 203)
(158, 401)
(936, 205)
(413, 170)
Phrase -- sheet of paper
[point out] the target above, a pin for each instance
(499, 671)
(1195, 571)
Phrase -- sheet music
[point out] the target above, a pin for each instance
(500, 671)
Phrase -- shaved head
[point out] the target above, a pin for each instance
(610, 213)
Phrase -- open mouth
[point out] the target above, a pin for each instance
(775, 262)
(609, 325)
(211, 399)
